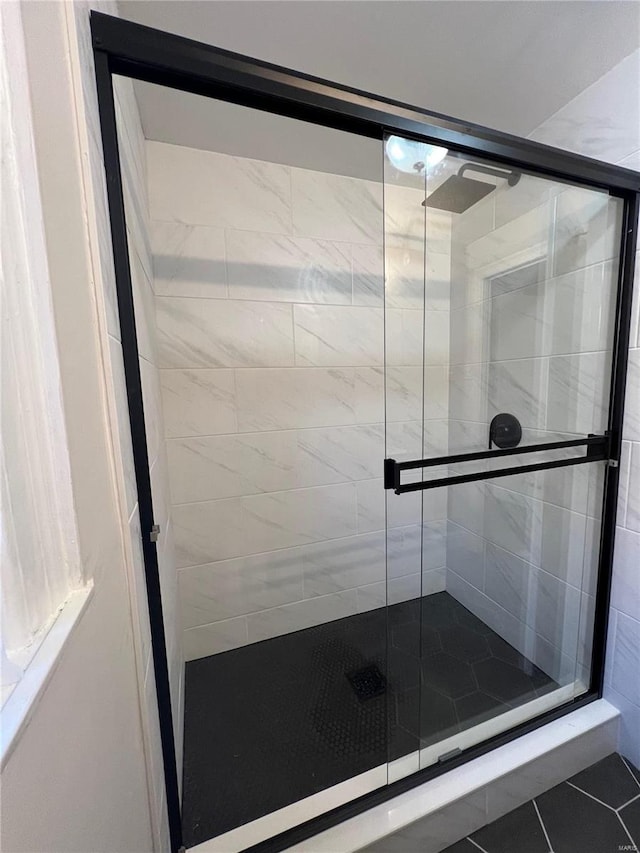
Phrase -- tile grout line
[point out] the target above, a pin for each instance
(475, 843)
(624, 826)
(628, 766)
(587, 794)
(544, 828)
(628, 803)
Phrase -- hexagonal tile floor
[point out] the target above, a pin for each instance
(595, 811)
(274, 722)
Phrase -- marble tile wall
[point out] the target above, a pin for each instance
(604, 122)
(133, 164)
(535, 342)
(270, 342)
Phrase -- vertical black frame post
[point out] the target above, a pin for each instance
(622, 331)
(129, 339)
(143, 53)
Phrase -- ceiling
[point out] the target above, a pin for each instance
(506, 64)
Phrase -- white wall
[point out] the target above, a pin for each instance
(604, 122)
(269, 300)
(76, 779)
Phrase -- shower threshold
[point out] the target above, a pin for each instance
(275, 732)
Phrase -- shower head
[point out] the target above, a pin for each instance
(458, 193)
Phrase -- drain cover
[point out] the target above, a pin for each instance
(367, 682)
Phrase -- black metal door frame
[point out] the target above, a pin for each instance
(122, 47)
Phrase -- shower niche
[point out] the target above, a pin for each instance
(357, 585)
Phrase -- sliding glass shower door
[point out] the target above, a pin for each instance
(500, 293)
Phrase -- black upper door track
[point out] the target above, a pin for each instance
(124, 48)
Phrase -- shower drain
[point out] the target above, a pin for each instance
(367, 682)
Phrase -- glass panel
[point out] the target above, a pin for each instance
(511, 636)
(258, 278)
(508, 282)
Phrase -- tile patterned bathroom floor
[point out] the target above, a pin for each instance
(595, 811)
(273, 722)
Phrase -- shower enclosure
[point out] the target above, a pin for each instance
(375, 383)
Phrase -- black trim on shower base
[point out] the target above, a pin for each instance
(122, 47)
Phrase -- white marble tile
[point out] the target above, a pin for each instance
(404, 336)
(625, 590)
(578, 488)
(404, 510)
(470, 328)
(587, 229)
(210, 467)
(368, 396)
(631, 428)
(514, 237)
(372, 596)
(368, 275)
(434, 544)
(529, 193)
(517, 324)
(625, 676)
(223, 333)
(404, 393)
(335, 207)
(287, 269)
(465, 554)
(404, 215)
(341, 564)
(206, 188)
(405, 276)
(338, 454)
(404, 440)
(229, 588)
(467, 392)
(404, 550)
(628, 742)
(404, 588)
(218, 530)
(534, 597)
(547, 536)
(217, 637)
(340, 336)
(436, 392)
(603, 121)
(188, 260)
(466, 506)
(633, 499)
(438, 286)
(434, 580)
(302, 614)
(436, 338)
(578, 393)
(144, 307)
(151, 396)
(473, 224)
(623, 482)
(435, 438)
(519, 387)
(198, 402)
(579, 310)
(124, 429)
(301, 397)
